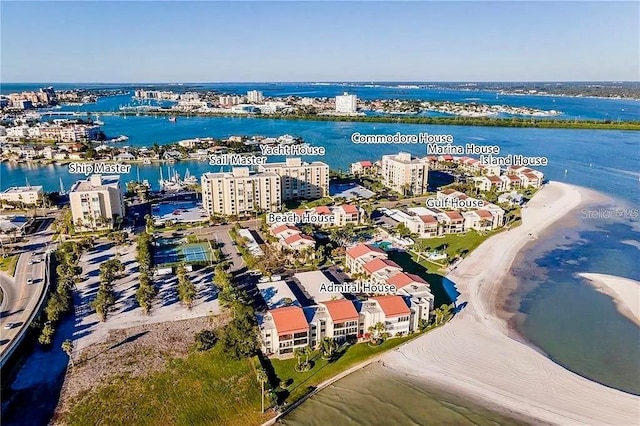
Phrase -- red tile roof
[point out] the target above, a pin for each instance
(362, 249)
(289, 320)
(349, 209)
(513, 178)
(453, 215)
(494, 179)
(297, 237)
(392, 306)
(531, 176)
(341, 310)
(402, 279)
(428, 219)
(366, 163)
(323, 210)
(484, 214)
(448, 191)
(447, 157)
(280, 229)
(377, 264)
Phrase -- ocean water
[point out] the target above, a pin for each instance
(561, 313)
(373, 396)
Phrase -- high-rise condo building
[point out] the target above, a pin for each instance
(300, 180)
(347, 103)
(97, 202)
(255, 97)
(240, 192)
(405, 174)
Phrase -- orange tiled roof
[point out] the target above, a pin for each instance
(362, 249)
(377, 264)
(349, 209)
(341, 310)
(402, 279)
(392, 306)
(289, 319)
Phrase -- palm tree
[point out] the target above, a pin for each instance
(67, 347)
(328, 347)
(262, 378)
(306, 350)
(298, 353)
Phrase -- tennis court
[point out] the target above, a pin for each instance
(187, 253)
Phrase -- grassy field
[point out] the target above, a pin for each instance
(283, 371)
(463, 243)
(8, 264)
(205, 388)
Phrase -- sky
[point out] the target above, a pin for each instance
(146, 41)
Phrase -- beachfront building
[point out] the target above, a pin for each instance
(335, 319)
(282, 330)
(346, 103)
(417, 292)
(97, 202)
(23, 195)
(390, 310)
(405, 174)
(359, 255)
(529, 178)
(240, 193)
(300, 180)
(379, 271)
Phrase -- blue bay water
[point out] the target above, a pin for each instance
(570, 107)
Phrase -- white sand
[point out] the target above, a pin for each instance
(624, 292)
(474, 356)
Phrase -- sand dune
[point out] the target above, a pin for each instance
(474, 356)
(624, 292)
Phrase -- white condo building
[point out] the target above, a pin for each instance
(29, 195)
(346, 103)
(255, 97)
(300, 180)
(96, 202)
(405, 174)
(240, 192)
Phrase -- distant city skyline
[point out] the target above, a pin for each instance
(163, 42)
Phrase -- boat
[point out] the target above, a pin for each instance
(173, 183)
(172, 119)
(188, 179)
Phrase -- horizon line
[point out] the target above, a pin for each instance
(319, 81)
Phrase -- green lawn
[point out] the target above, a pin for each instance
(455, 243)
(205, 388)
(303, 204)
(284, 370)
(8, 264)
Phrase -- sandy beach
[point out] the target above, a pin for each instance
(624, 292)
(474, 356)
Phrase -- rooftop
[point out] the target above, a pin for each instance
(362, 249)
(341, 310)
(311, 282)
(289, 319)
(18, 189)
(392, 306)
(96, 182)
(275, 294)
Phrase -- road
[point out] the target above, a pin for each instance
(20, 297)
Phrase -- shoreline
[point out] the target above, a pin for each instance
(624, 292)
(477, 356)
